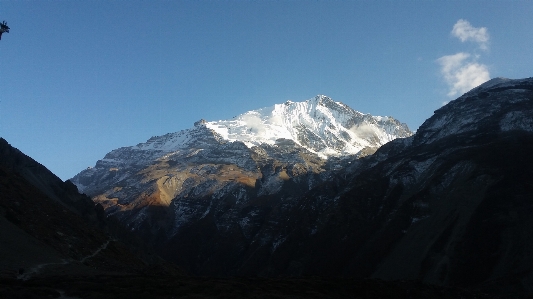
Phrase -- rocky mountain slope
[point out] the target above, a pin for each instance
(216, 168)
(449, 205)
(50, 248)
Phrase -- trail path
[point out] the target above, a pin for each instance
(104, 246)
(38, 268)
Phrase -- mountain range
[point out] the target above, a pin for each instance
(317, 189)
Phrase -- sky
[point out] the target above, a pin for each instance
(81, 78)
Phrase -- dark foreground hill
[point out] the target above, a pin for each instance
(47, 228)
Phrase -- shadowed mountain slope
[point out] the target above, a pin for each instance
(450, 206)
(48, 250)
(47, 227)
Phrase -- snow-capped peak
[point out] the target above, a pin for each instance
(319, 124)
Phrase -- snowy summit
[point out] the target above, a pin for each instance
(320, 124)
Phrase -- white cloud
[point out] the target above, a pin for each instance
(275, 120)
(452, 62)
(364, 131)
(466, 32)
(254, 122)
(462, 73)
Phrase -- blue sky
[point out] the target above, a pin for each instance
(81, 78)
